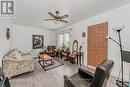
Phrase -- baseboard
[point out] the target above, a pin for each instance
(126, 77)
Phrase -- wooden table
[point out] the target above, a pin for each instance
(44, 58)
(79, 56)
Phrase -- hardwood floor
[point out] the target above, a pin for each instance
(51, 78)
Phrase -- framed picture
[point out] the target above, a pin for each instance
(37, 41)
(83, 34)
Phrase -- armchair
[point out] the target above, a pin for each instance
(65, 53)
(16, 63)
(51, 50)
(90, 78)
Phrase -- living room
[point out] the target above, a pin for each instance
(41, 19)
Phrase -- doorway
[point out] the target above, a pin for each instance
(97, 44)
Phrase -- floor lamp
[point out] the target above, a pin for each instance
(120, 83)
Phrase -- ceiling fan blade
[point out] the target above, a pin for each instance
(64, 21)
(64, 16)
(48, 19)
(51, 14)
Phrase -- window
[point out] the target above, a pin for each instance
(64, 39)
(60, 40)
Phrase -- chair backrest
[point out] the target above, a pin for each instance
(102, 74)
(51, 48)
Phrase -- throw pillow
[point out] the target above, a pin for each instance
(15, 54)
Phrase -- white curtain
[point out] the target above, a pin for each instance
(64, 39)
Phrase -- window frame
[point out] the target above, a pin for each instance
(63, 43)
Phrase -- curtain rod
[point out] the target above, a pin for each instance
(65, 30)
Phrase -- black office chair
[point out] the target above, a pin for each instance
(85, 78)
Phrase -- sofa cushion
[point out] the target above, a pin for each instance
(81, 80)
(26, 57)
(15, 54)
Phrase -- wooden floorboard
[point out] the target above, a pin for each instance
(51, 78)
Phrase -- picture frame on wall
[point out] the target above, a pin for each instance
(83, 34)
(37, 41)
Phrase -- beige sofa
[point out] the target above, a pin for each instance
(16, 63)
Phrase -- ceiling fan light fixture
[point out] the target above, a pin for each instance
(57, 12)
(57, 17)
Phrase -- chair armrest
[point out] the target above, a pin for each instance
(86, 73)
(69, 82)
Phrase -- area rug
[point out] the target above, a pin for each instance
(48, 65)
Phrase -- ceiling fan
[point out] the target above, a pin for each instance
(56, 17)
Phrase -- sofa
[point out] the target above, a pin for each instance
(16, 63)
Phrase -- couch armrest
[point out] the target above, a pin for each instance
(86, 72)
(8, 60)
(68, 82)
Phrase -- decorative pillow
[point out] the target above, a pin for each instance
(15, 54)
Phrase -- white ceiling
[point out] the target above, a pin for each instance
(32, 12)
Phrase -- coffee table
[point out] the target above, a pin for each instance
(44, 58)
